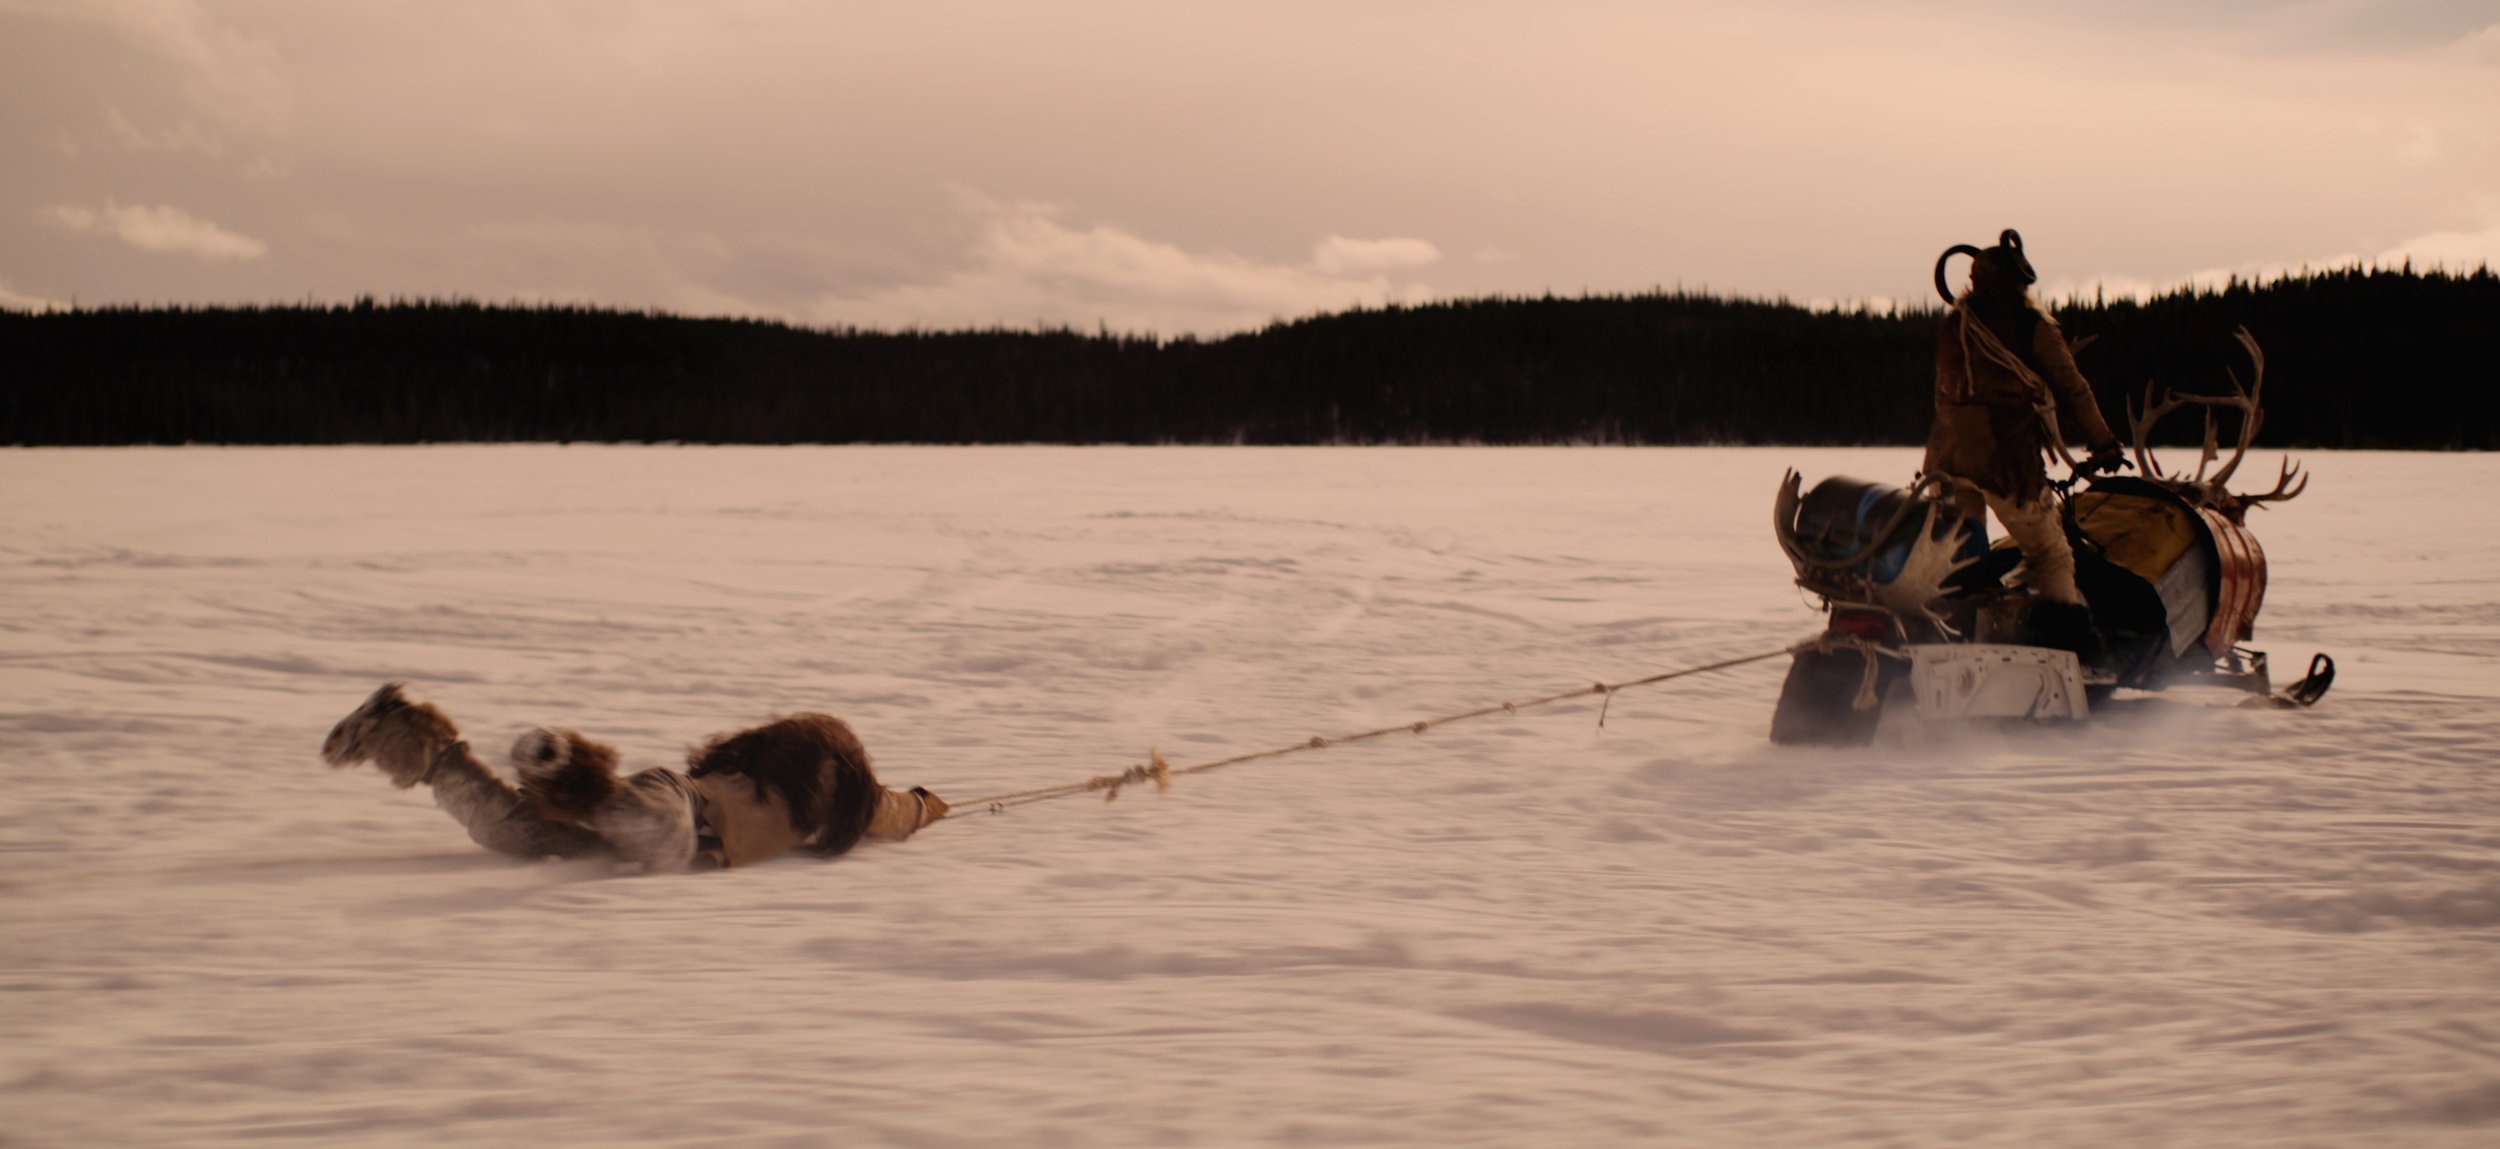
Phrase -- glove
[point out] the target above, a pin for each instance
(2105, 459)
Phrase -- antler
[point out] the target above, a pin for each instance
(2247, 399)
(2287, 486)
(1931, 561)
(2159, 402)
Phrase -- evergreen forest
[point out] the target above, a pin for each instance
(2356, 358)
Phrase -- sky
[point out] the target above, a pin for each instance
(1204, 166)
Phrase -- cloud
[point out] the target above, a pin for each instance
(1255, 159)
(12, 299)
(184, 137)
(162, 229)
(1337, 255)
(227, 73)
(2461, 250)
(121, 133)
(1027, 264)
(2481, 46)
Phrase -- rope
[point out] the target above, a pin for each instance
(1161, 773)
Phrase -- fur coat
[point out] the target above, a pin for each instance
(1995, 373)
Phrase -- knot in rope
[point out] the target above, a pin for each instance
(1827, 643)
(1155, 768)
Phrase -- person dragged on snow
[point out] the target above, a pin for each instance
(2008, 390)
(800, 783)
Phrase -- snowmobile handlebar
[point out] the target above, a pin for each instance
(2091, 467)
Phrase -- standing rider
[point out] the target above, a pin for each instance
(2005, 385)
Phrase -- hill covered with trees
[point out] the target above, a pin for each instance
(2355, 358)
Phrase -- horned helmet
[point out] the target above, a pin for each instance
(1995, 272)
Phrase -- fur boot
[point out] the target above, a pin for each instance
(400, 736)
(567, 775)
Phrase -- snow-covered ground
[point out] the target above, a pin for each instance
(2189, 925)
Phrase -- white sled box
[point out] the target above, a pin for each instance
(1989, 680)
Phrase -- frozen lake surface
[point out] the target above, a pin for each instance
(2187, 925)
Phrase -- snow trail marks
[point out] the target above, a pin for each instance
(2180, 926)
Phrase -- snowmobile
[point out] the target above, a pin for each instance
(1926, 615)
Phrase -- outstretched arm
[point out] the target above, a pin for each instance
(2077, 410)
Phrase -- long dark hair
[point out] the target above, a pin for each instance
(813, 762)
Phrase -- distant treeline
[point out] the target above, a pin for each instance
(2355, 358)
